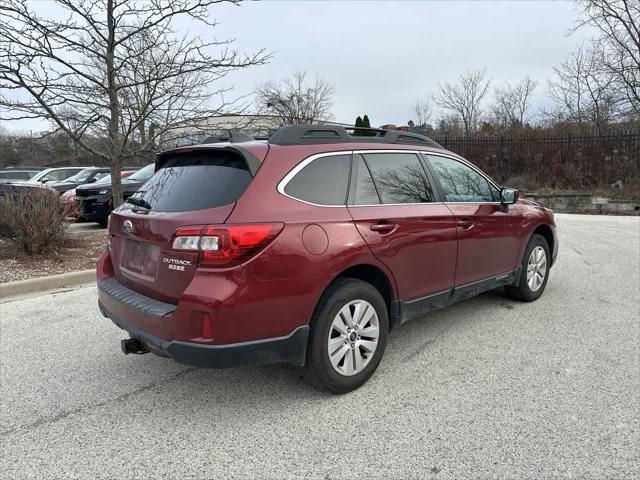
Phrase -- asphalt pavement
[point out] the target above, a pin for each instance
(77, 227)
(488, 388)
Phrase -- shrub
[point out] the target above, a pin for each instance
(33, 218)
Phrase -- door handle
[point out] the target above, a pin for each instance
(465, 224)
(383, 227)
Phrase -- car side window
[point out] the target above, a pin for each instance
(461, 183)
(55, 176)
(365, 192)
(399, 178)
(324, 181)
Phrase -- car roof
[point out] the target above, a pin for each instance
(63, 168)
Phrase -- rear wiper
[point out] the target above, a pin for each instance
(139, 202)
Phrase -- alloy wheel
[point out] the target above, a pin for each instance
(353, 337)
(536, 268)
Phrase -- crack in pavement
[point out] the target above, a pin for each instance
(88, 408)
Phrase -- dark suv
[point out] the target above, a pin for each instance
(94, 201)
(310, 248)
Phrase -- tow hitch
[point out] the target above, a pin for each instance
(133, 345)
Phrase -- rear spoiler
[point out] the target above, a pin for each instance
(252, 161)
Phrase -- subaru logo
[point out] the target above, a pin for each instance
(127, 226)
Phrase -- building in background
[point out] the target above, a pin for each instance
(258, 126)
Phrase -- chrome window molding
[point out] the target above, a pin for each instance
(395, 204)
(295, 170)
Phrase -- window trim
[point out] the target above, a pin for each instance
(298, 168)
(423, 155)
(426, 171)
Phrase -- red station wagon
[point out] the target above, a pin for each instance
(310, 248)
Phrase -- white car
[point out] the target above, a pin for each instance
(54, 174)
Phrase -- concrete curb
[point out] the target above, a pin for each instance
(50, 282)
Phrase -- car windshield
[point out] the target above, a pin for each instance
(143, 174)
(105, 179)
(81, 176)
(39, 175)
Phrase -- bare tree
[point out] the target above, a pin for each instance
(119, 66)
(295, 101)
(619, 24)
(450, 125)
(512, 103)
(583, 92)
(465, 97)
(407, 183)
(423, 111)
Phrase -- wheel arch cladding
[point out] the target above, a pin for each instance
(373, 276)
(545, 231)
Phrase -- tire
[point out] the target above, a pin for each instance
(103, 222)
(528, 291)
(357, 297)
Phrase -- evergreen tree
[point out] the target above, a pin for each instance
(366, 124)
(357, 131)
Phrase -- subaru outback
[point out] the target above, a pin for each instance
(310, 248)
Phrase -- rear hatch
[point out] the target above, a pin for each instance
(191, 187)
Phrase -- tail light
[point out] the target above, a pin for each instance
(225, 245)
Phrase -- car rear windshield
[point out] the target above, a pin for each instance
(196, 180)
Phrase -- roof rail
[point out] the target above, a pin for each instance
(313, 134)
(231, 136)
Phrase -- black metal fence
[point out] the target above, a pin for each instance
(575, 162)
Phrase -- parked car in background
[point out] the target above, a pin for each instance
(84, 176)
(57, 174)
(16, 175)
(40, 179)
(69, 197)
(94, 202)
(311, 248)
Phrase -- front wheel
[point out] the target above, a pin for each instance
(348, 336)
(535, 271)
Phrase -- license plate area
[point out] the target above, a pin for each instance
(140, 259)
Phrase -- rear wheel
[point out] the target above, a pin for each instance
(535, 271)
(348, 336)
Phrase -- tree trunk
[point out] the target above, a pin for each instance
(115, 147)
(116, 180)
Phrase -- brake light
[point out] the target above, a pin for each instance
(225, 246)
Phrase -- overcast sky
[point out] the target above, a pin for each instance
(382, 55)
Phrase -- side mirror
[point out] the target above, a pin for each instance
(509, 196)
(92, 180)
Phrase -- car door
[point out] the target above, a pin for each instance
(394, 207)
(488, 234)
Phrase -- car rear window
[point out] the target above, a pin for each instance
(197, 180)
(15, 175)
(324, 181)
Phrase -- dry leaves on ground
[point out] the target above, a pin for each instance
(77, 252)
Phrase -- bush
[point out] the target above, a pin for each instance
(33, 218)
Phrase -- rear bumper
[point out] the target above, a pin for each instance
(290, 348)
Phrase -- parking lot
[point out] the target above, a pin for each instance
(485, 388)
